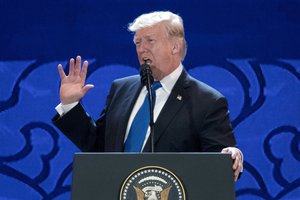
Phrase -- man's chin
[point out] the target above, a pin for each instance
(157, 76)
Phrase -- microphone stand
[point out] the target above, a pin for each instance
(147, 79)
(151, 123)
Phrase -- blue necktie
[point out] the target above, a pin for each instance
(140, 124)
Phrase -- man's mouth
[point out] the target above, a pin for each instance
(147, 60)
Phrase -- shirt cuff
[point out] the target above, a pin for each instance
(62, 109)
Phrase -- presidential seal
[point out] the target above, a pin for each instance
(152, 183)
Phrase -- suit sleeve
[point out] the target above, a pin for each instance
(81, 129)
(216, 131)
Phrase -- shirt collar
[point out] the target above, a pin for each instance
(169, 81)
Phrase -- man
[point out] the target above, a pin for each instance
(189, 115)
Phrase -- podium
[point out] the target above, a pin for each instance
(161, 176)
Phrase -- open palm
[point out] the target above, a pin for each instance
(73, 86)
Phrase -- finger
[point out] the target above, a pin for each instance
(236, 175)
(71, 67)
(87, 87)
(61, 72)
(237, 172)
(231, 151)
(224, 150)
(234, 154)
(84, 71)
(237, 157)
(236, 163)
(77, 65)
(227, 150)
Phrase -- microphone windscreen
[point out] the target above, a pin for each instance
(146, 74)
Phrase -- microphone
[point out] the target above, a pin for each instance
(147, 80)
(146, 75)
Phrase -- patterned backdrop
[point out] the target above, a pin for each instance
(249, 50)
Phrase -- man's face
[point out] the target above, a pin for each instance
(154, 47)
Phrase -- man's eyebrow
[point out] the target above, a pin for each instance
(150, 35)
(146, 37)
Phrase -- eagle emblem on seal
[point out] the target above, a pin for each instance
(152, 183)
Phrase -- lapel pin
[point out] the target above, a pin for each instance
(179, 97)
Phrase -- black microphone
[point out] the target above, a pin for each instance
(146, 75)
(147, 80)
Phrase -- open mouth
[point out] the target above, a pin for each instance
(147, 60)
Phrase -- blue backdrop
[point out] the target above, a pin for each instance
(249, 50)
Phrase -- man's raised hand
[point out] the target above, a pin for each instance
(73, 86)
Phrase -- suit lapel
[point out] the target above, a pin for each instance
(123, 112)
(130, 99)
(173, 105)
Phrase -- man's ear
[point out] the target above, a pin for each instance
(177, 44)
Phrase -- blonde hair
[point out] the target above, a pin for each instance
(173, 25)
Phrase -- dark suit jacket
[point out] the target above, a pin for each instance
(195, 118)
